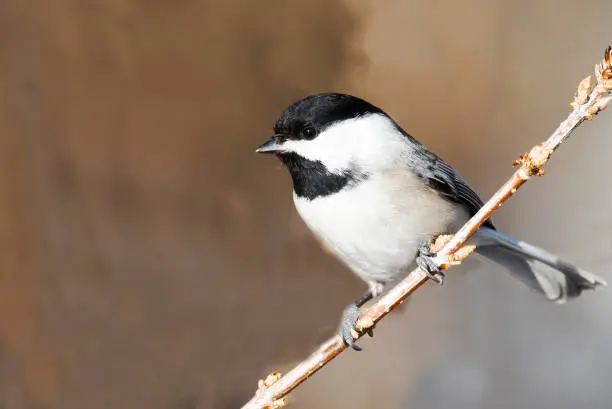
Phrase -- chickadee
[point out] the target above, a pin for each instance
(375, 197)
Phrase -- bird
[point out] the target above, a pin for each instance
(375, 197)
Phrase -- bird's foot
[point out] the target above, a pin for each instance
(348, 327)
(425, 260)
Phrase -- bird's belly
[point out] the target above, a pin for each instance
(375, 230)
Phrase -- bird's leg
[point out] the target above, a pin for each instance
(351, 314)
(426, 262)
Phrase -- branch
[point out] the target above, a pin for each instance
(588, 101)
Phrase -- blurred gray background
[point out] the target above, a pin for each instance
(149, 259)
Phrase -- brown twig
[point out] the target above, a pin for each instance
(588, 101)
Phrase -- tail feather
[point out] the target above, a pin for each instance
(558, 280)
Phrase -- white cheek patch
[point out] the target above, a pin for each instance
(325, 148)
(371, 140)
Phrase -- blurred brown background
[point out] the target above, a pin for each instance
(149, 259)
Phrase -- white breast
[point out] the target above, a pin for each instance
(376, 226)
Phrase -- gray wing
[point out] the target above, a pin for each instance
(444, 179)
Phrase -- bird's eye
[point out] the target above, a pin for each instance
(308, 132)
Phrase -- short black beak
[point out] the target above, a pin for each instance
(272, 145)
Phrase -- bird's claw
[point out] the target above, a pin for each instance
(426, 262)
(348, 327)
